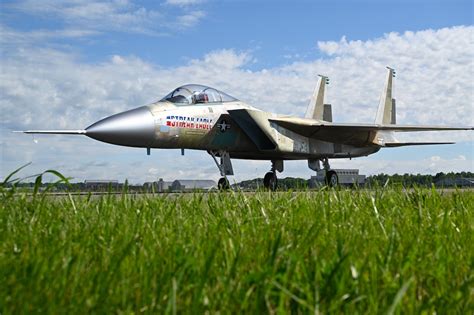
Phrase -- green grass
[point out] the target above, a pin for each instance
(337, 251)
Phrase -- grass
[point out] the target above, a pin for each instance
(332, 251)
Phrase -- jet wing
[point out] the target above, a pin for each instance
(353, 134)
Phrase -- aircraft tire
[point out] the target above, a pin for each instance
(270, 181)
(332, 180)
(223, 184)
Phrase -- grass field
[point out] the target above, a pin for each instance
(336, 251)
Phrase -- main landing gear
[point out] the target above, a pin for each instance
(224, 165)
(223, 184)
(270, 181)
(331, 176)
(331, 179)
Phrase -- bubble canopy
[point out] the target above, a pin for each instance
(196, 94)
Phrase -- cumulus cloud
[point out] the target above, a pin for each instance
(49, 88)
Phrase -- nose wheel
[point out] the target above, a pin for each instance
(225, 168)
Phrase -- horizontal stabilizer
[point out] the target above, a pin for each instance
(309, 126)
(353, 134)
(403, 144)
(54, 132)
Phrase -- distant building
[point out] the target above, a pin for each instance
(345, 176)
(192, 184)
(455, 182)
(101, 184)
(180, 185)
(162, 185)
(159, 186)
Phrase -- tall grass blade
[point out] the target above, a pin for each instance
(398, 297)
(7, 179)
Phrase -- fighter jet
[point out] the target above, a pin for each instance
(199, 117)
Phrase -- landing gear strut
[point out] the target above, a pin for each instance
(225, 168)
(331, 176)
(270, 181)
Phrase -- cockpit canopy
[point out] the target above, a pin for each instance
(196, 94)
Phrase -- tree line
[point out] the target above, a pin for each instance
(405, 180)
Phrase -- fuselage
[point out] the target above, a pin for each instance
(209, 127)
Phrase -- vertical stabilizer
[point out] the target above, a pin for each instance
(315, 108)
(384, 111)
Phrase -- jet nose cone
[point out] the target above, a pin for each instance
(133, 128)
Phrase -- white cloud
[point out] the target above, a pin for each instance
(105, 16)
(183, 3)
(12, 37)
(48, 88)
(190, 19)
(226, 59)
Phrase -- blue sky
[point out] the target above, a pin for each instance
(271, 29)
(66, 64)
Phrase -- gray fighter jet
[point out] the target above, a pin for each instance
(202, 118)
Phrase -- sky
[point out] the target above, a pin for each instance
(67, 64)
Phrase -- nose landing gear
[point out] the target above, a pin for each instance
(225, 168)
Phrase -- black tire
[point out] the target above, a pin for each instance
(331, 179)
(270, 181)
(223, 184)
